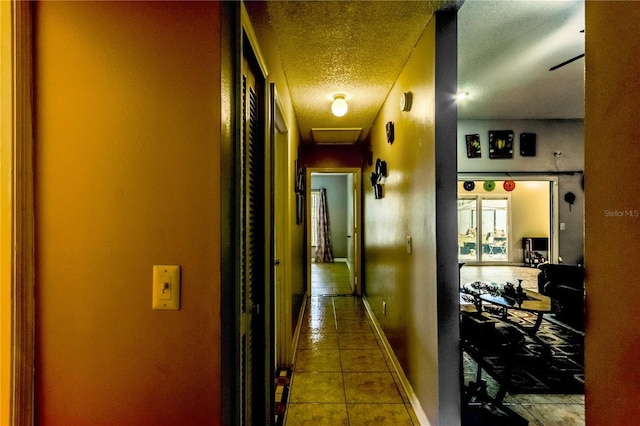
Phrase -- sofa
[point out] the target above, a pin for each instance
(564, 284)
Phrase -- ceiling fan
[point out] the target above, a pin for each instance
(567, 62)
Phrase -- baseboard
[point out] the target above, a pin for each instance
(296, 333)
(413, 398)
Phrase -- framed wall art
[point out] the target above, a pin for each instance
(500, 143)
(299, 209)
(528, 144)
(473, 146)
(300, 178)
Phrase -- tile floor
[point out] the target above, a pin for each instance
(330, 278)
(342, 376)
(539, 410)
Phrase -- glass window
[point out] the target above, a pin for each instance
(483, 229)
(315, 205)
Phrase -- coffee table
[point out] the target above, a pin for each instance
(505, 298)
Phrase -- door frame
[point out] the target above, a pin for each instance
(281, 295)
(357, 221)
(245, 40)
(554, 214)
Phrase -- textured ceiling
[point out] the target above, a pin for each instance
(357, 48)
(505, 50)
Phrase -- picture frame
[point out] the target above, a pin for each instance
(500, 144)
(473, 146)
(299, 209)
(528, 144)
(300, 178)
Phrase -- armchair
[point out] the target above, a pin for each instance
(564, 284)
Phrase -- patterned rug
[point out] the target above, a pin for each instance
(551, 362)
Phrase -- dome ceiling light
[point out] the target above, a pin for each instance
(339, 106)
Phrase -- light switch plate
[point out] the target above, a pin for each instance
(166, 287)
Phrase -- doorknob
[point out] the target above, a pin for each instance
(276, 262)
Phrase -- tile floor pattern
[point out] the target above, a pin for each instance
(330, 278)
(538, 409)
(341, 374)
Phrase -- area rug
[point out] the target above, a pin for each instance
(552, 362)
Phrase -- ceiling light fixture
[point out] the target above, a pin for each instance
(461, 96)
(339, 106)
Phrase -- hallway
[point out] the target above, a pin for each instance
(341, 374)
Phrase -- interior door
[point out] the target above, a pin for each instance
(252, 246)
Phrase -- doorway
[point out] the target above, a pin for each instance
(333, 224)
(494, 225)
(484, 228)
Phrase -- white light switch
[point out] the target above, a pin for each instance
(166, 287)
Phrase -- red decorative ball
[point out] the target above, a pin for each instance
(509, 185)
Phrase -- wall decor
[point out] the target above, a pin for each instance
(379, 177)
(381, 170)
(528, 144)
(390, 132)
(570, 198)
(489, 185)
(405, 101)
(473, 146)
(300, 178)
(299, 208)
(377, 191)
(469, 185)
(500, 143)
(509, 185)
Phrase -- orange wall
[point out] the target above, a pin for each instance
(127, 159)
(612, 359)
(407, 283)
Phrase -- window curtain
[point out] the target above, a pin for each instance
(324, 252)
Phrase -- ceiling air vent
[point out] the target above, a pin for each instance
(336, 136)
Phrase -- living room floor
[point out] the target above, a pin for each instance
(538, 409)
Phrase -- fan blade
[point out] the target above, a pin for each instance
(566, 62)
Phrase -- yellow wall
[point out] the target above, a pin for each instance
(127, 160)
(407, 283)
(611, 241)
